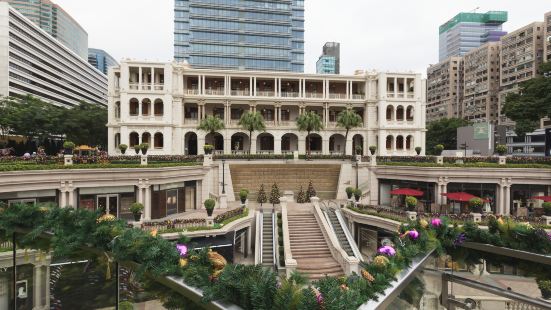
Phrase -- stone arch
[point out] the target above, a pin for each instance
(409, 142)
(400, 142)
(134, 107)
(410, 113)
(358, 140)
(336, 143)
(158, 140)
(215, 139)
(146, 107)
(190, 143)
(316, 143)
(390, 113)
(389, 142)
(133, 139)
(240, 142)
(289, 142)
(265, 143)
(400, 113)
(158, 108)
(146, 138)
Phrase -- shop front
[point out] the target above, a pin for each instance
(115, 200)
(173, 198)
(486, 191)
(397, 201)
(29, 197)
(522, 199)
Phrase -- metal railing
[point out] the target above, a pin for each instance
(274, 244)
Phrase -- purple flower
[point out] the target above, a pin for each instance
(387, 250)
(459, 239)
(319, 298)
(436, 222)
(413, 234)
(182, 249)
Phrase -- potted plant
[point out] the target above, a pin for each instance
(349, 192)
(476, 205)
(545, 288)
(501, 149)
(411, 203)
(357, 194)
(208, 149)
(418, 150)
(136, 208)
(68, 147)
(123, 148)
(137, 149)
(144, 147)
(372, 149)
(438, 149)
(547, 208)
(358, 150)
(209, 205)
(243, 194)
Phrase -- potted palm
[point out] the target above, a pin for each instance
(411, 203)
(418, 150)
(373, 149)
(208, 149)
(144, 147)
(357, 194)
(136, 208)
(137, 149)
(349, 192)
(209, 205)
(123, 148)
(68, 147)
(243, 194)
(438, 149)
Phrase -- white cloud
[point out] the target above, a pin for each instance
(374, 34)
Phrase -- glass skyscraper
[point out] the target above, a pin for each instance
(240, 34)
(467, 31)
(101, 59)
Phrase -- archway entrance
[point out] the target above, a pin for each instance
(190, 141)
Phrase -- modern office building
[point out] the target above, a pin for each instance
(163, 103)
(467, 31)
(481, 84)
(330, 59)
(242, 35)
(445, 89)
(521, 56)
(100, 59)
(33, 62)
(326, 65)
(56, 22)
(547, 37)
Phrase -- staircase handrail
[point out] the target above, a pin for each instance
(258, 251)
(290, 263)
(274, 253)
(349, 264)
(348, 235)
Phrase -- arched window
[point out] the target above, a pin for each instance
(400, 113)
(399, 143)
(409, 142)
(389, 113)
(146, 107)
(158, 141)
(389, 142)
(117, 109)
(134, 107)
(409, 113)
(158, 108)
(146, 138)
(134, 139)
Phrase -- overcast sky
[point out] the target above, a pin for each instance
(374, 34)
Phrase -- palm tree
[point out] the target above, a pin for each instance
(309, 121)
(252, 121)
(211, 124)
(348, 119)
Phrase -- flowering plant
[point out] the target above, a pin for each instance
(387, 250)
(436, 222)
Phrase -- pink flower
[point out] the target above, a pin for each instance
(182, 249)
(413, 234)
(436, 222)
(388, 250)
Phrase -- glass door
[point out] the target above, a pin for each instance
(108, 204)
(190, 198)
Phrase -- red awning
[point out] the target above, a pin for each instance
(544, 198)
(407, 192)
(460, 196)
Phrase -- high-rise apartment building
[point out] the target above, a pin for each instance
(467, 31)
(100, 59)
(330, 59)
(445, 89)
(521, 56)
(243, 35)
(56, 22)
(481, 84)
(547, 37)
(33, 62)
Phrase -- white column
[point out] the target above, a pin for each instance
(253, 143)
(349, 150)
(62, 198)
(507, 200)
(140, 78)
(395, 88)
(72, 198)
(301, 145)
(347, 89)
(277, 145)
(325, 89)
(437, 194)
(444, 190)
(147, 204)
(152, 82)
(501, 201)
(324, 146)
(37, 275)
(140, 195)
(254, 86)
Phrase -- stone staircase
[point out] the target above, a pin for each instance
(339, 232)
(267, 240)
(309, 248)
(289, 177)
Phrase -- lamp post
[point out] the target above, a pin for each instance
(223, 176)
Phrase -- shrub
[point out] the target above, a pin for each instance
(411, 203)
(311, 191)
(208, 148)
(137, 148)
(68, 145)
(261, 195)
(359, 150)
(144, 146)
(349, 192)
(545, 288)
(243, 194)
(547, 208)
(301, 196)
(274, 195)
(438, 149)
(136, 208)
(123, 148)
(476, 204)
(373, 149)
(229, 215)
(418, 150)
(357, 194)
(501, 149)
(209, 204)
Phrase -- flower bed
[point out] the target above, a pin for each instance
(406, 159)
(252, 156)
(326, 157)
(471, 160)
(173, 224)
(229, 215)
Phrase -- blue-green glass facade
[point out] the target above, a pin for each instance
(240, 34)
(326, 64)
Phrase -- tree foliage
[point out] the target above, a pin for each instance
(251, 122)
(275, 195)
(211, 124)
(532, 103)
(261, 198)
(444, 132)
(348, 119)
(35, 119)
(309, 122)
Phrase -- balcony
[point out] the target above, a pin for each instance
(338, 96)
(266, 93)
(358, 96)
(133, 86)
(240, 93)
(192, 92)
(214, 92)
(191, 121)
(289, 94)
(313, 95)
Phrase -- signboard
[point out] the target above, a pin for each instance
(481, 131)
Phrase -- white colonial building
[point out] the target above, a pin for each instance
(163, 103)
